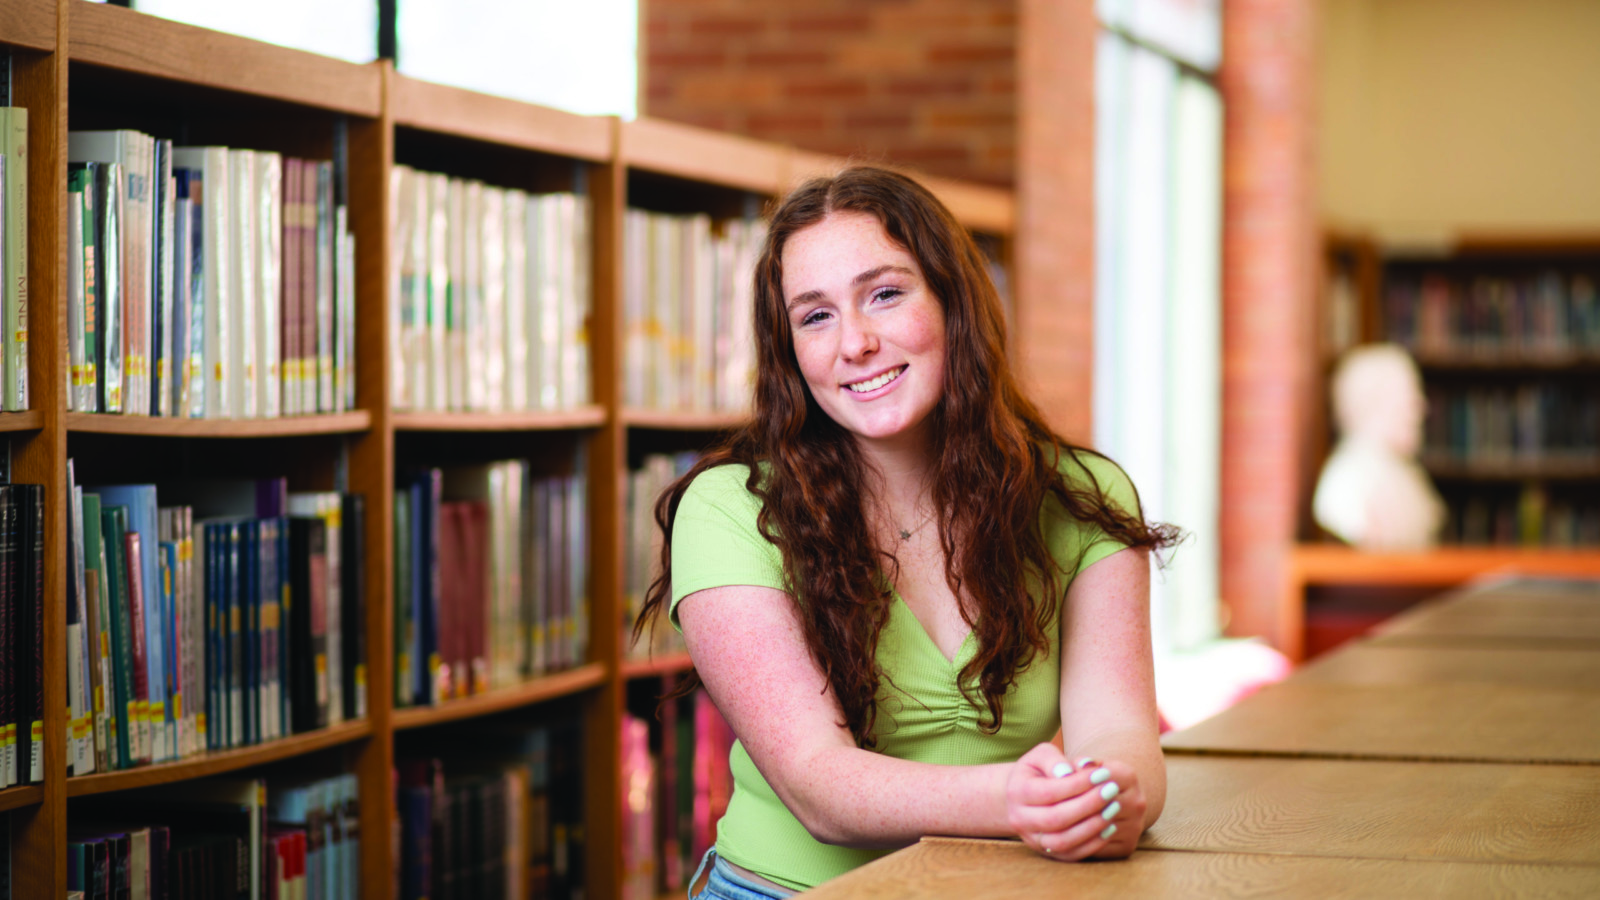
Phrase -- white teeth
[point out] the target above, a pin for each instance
(862, 387)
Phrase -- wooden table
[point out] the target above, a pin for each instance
(1381, 810)
(1399, 663)
(1456, 755)
(941, 868)
(1533, 613)
(1450, 721)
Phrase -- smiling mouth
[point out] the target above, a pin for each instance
(872, 384)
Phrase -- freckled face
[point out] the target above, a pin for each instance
(868, 333)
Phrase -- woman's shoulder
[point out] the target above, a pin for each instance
(722, 487)
(1088, 471)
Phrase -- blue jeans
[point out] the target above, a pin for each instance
(725, 884)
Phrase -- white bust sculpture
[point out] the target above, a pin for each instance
(1372, 492)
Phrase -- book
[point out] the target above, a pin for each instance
(30, 596)
(308, 542)
(209, 182)
(14, 394)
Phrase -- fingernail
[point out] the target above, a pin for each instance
(1106, 835)
(1061, 769)
(1100, 775)
(1112, 810)
(1110, 791)
(1085, 762)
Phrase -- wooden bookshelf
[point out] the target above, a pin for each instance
(655, 667)
(1450, 367)
(20, 796)
(682, 420)
(1442, 567)
(27, 420)
(76, 65)
(581, 417)
(285, 426)
(218, 762)
(127, 41)
(538, 690)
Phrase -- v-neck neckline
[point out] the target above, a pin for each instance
(963, 650)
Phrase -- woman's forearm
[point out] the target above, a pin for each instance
(857, 798)
(1137, 749)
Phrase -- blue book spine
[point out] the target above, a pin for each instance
(142, 518)
(284, 669)
(232, 648)
(267, 575)
(209, 543)
(250, 628)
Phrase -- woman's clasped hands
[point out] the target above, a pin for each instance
(1071, 810)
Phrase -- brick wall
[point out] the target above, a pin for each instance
(925, 83)
(1269, 259)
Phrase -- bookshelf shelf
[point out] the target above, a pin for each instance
(582, 417)
(119, 38)
(497, 120)
(28, 420)
(669, 664)
(1508, 363)
(681, 420)
(28, 23)
(1514, 470)
(549, 687)
(684, 151)
(351, 422)
(20, 796)
(219, 762)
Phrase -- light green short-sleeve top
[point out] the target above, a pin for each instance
(923, 717)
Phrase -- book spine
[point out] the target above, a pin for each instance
(132, 547)
(10, 646)
(75, 343)
(13, 144)
(166, 275)
(243, 309)
(353, 561)
(327, 248)
(269, 285)
(89, 395)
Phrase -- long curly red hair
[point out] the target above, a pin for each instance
(995, 465)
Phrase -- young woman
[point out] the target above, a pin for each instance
(896, 582)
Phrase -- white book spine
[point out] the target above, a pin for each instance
(439, 288)
(401, 275)
(243, 313)
(78, 399)
(456, 303)
(583, 289)
(550, 302)
(269, 283)
(492, 321)
(474, 340)
(327, 246)
(514, 339)
(345, 371)
(216, 282)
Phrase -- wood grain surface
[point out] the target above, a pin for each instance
(218, 762)
(28, 23)
(1399, 662)
(978, 870)
(1450, 721)
(529, 420)
(1381, 810)
(538, 690)
(685, 151)
(453, 110)
(355, 420)
(123, 39)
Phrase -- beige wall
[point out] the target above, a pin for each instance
(1441, 116)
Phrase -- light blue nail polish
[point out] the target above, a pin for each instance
(1106, 835)
(1100, 775)
(1110, 791)
(1061, 770)
(1085, 761)
(1112, 810)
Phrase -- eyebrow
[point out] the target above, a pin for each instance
(857, 281)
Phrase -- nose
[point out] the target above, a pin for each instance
(857, 338)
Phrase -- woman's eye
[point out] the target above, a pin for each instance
(813, 317)
(887, 294)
